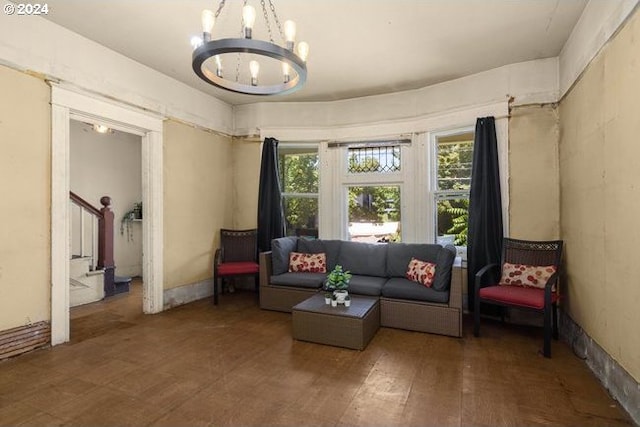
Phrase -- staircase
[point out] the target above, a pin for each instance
(91, 277)
(85, 285)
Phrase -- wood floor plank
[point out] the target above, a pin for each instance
(234, 364)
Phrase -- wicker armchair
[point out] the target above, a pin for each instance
(522, 285)
(237, 256)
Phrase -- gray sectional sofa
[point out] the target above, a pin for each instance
(378, 270)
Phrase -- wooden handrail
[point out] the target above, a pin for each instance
(105, 259)
(82, 202)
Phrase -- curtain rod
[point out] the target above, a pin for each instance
(373, 143)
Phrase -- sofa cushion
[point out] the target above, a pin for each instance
(444, 263)
(406, 289)
(367, 259)
(421, 272)
(399, 255)
(330, 247)
(309, 263)
(280, 249)
(366, 285)
(299, 280)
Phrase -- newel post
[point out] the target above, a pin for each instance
(105, 245)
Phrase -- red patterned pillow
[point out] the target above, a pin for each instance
(308, 263)
(422, 272)
(526, 275)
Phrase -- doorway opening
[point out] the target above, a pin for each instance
(104, 162)
(71, 105)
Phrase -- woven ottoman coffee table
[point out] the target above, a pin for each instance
(350, 327)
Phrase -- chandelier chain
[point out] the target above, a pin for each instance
(238, 55)
(275, 18)
(266, 19)
(220, 6)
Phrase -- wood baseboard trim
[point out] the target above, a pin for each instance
(22, 339)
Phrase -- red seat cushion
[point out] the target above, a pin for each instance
(236, 268)
(517, 295)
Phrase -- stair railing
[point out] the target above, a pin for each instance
(104, 242)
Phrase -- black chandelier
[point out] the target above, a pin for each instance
(212, 59)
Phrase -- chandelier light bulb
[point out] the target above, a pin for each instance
(218, 66)
(290, 33)
(210, 52)
(254, 68)
(208, 19)
(196, 42)
(303, 51)
(249, 18)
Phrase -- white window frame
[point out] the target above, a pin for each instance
(370, 179)
(305, 145)
(434, 194)
(416, 202)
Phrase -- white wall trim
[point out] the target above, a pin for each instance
(116, 115)
(152, 222)
(502, 136)
(67, 105)
(60, 224)
(60, 55)
(598, 23)
(527, 82)
(429, 122)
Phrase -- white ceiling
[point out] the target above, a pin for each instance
(358, 47)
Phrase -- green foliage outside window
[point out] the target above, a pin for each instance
(454, 177)
(375, 204)
(299, 181)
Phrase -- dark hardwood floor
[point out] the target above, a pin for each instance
(234, 364)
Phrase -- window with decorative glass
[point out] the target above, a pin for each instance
(374, 159)
(373, 191)
(299, 177)
(454, 156)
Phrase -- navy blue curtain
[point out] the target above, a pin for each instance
(270, 212)
(484, 242)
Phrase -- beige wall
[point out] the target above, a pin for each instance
(197, 201)
(246, 156)
(600, 197)
(25, 185)
(534, 210)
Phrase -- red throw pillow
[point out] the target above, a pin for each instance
(308, 263)
(526, 275)
(422, 272)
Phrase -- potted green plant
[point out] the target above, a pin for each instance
(328, 296)
(347, 301)
(128, 218)
(125, 223)
(137, 210)
(334, 301)
(338, 281)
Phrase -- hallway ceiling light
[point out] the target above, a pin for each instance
(235, 64)
(101, 128)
